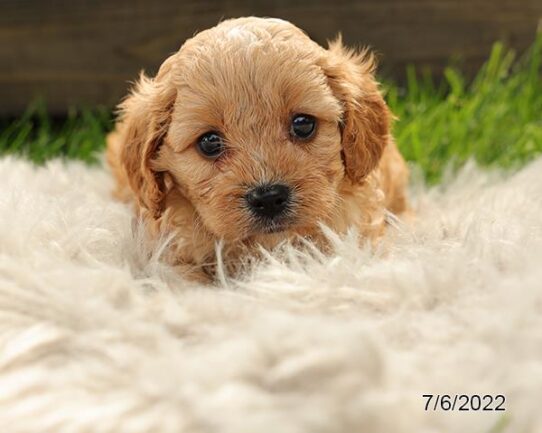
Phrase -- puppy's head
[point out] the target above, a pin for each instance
(257, 126)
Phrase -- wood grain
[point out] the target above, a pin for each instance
(82, 52)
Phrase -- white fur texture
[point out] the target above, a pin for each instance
(96, 335)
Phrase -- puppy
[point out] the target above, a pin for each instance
(252, 134)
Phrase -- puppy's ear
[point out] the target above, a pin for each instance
(366, 119)
(145, 116)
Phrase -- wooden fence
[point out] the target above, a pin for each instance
(85, 52)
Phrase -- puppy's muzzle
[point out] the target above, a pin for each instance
(268, 201)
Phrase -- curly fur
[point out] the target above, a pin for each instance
(245, 78)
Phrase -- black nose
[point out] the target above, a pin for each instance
(268, 201)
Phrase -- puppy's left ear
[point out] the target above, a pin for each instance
(366, 118)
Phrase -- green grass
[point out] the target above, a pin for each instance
(37, 136)
(495, 119)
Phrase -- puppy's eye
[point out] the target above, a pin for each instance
(303, 126)
(211, 145)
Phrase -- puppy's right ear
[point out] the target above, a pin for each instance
(145, 116)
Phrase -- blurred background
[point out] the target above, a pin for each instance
(85, 52)
(463, 77)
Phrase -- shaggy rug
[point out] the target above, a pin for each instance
(97, 335)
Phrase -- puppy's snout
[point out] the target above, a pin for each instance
(268, 201)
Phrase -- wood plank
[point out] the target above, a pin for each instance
(86, 52)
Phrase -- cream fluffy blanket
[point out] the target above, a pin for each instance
(96, 335)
